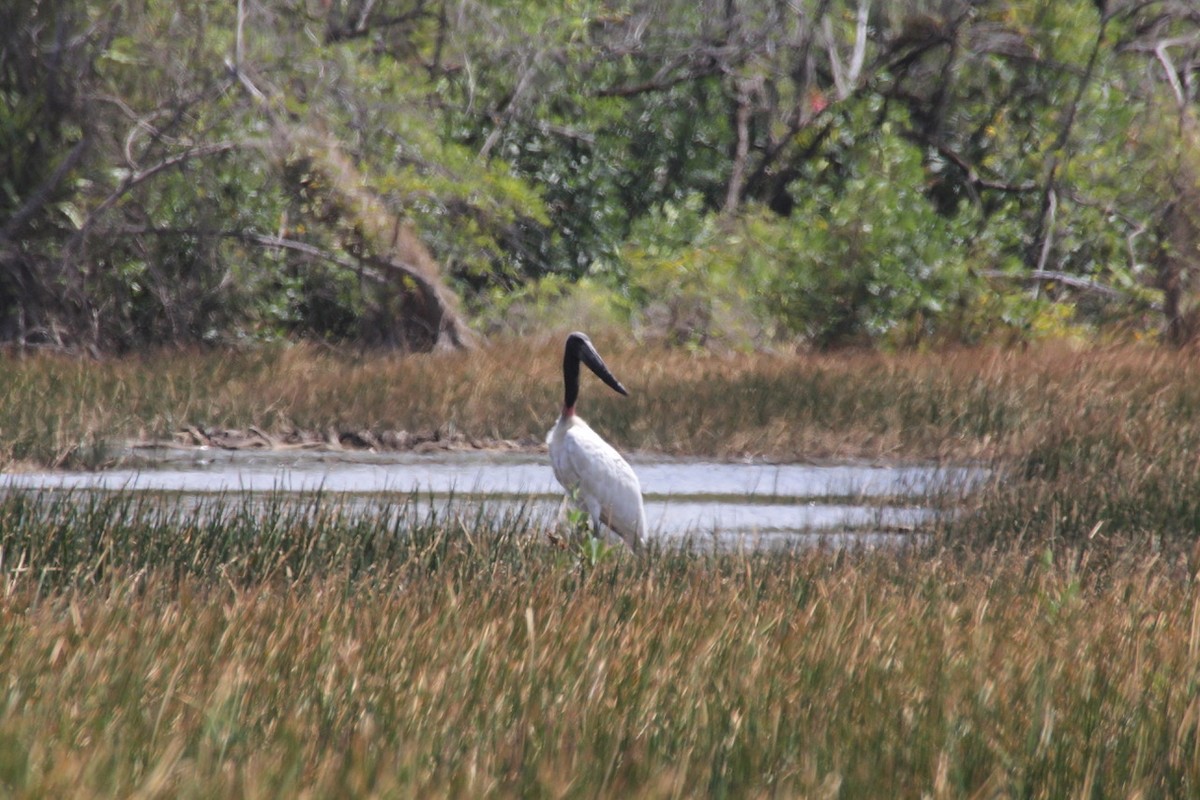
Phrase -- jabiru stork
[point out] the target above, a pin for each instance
(593, 473)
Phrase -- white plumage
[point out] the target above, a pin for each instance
(591, 471)
(603, 482)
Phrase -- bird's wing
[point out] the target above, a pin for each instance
(606, 483)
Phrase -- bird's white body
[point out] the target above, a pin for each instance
(598, 478)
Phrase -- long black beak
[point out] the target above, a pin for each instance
(580, 348)
(589, 356)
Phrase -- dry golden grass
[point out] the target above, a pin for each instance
(810, 676)
(1046, 645)
(950, 404)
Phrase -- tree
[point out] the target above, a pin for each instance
(376, 170)
(166, 208)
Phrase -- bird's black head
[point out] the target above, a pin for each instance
(580, 348)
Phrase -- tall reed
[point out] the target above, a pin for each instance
(291, 658)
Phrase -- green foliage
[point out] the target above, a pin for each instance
(863, 257)
(552, 303)
(698, 278)
(865, 252)
(545, 96)
(589, 549)
(723, 172)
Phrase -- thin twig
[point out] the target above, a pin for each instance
(1078, 282)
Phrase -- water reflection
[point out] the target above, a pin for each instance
(730, 504)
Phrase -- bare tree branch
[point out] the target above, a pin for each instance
(860, 42)
(737, 175)
(41, 195)
(1087, 285)
(1164, 58)
(1043, 240)
(972, 173)
(845, 76)
(134, 178)
(376, 272)
(660, 82)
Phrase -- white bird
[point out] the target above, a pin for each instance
(591, 471)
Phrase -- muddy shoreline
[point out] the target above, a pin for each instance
(400, 441)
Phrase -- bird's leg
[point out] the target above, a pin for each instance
(574, 517)
(597, 517)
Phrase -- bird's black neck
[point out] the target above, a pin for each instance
(570, 380)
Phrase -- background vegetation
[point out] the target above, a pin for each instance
(411, 173)
(402, 172)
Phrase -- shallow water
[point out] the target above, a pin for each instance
(728, 504)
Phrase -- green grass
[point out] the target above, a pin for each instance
(1045, 644)
(267, 648)
(67, 539)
